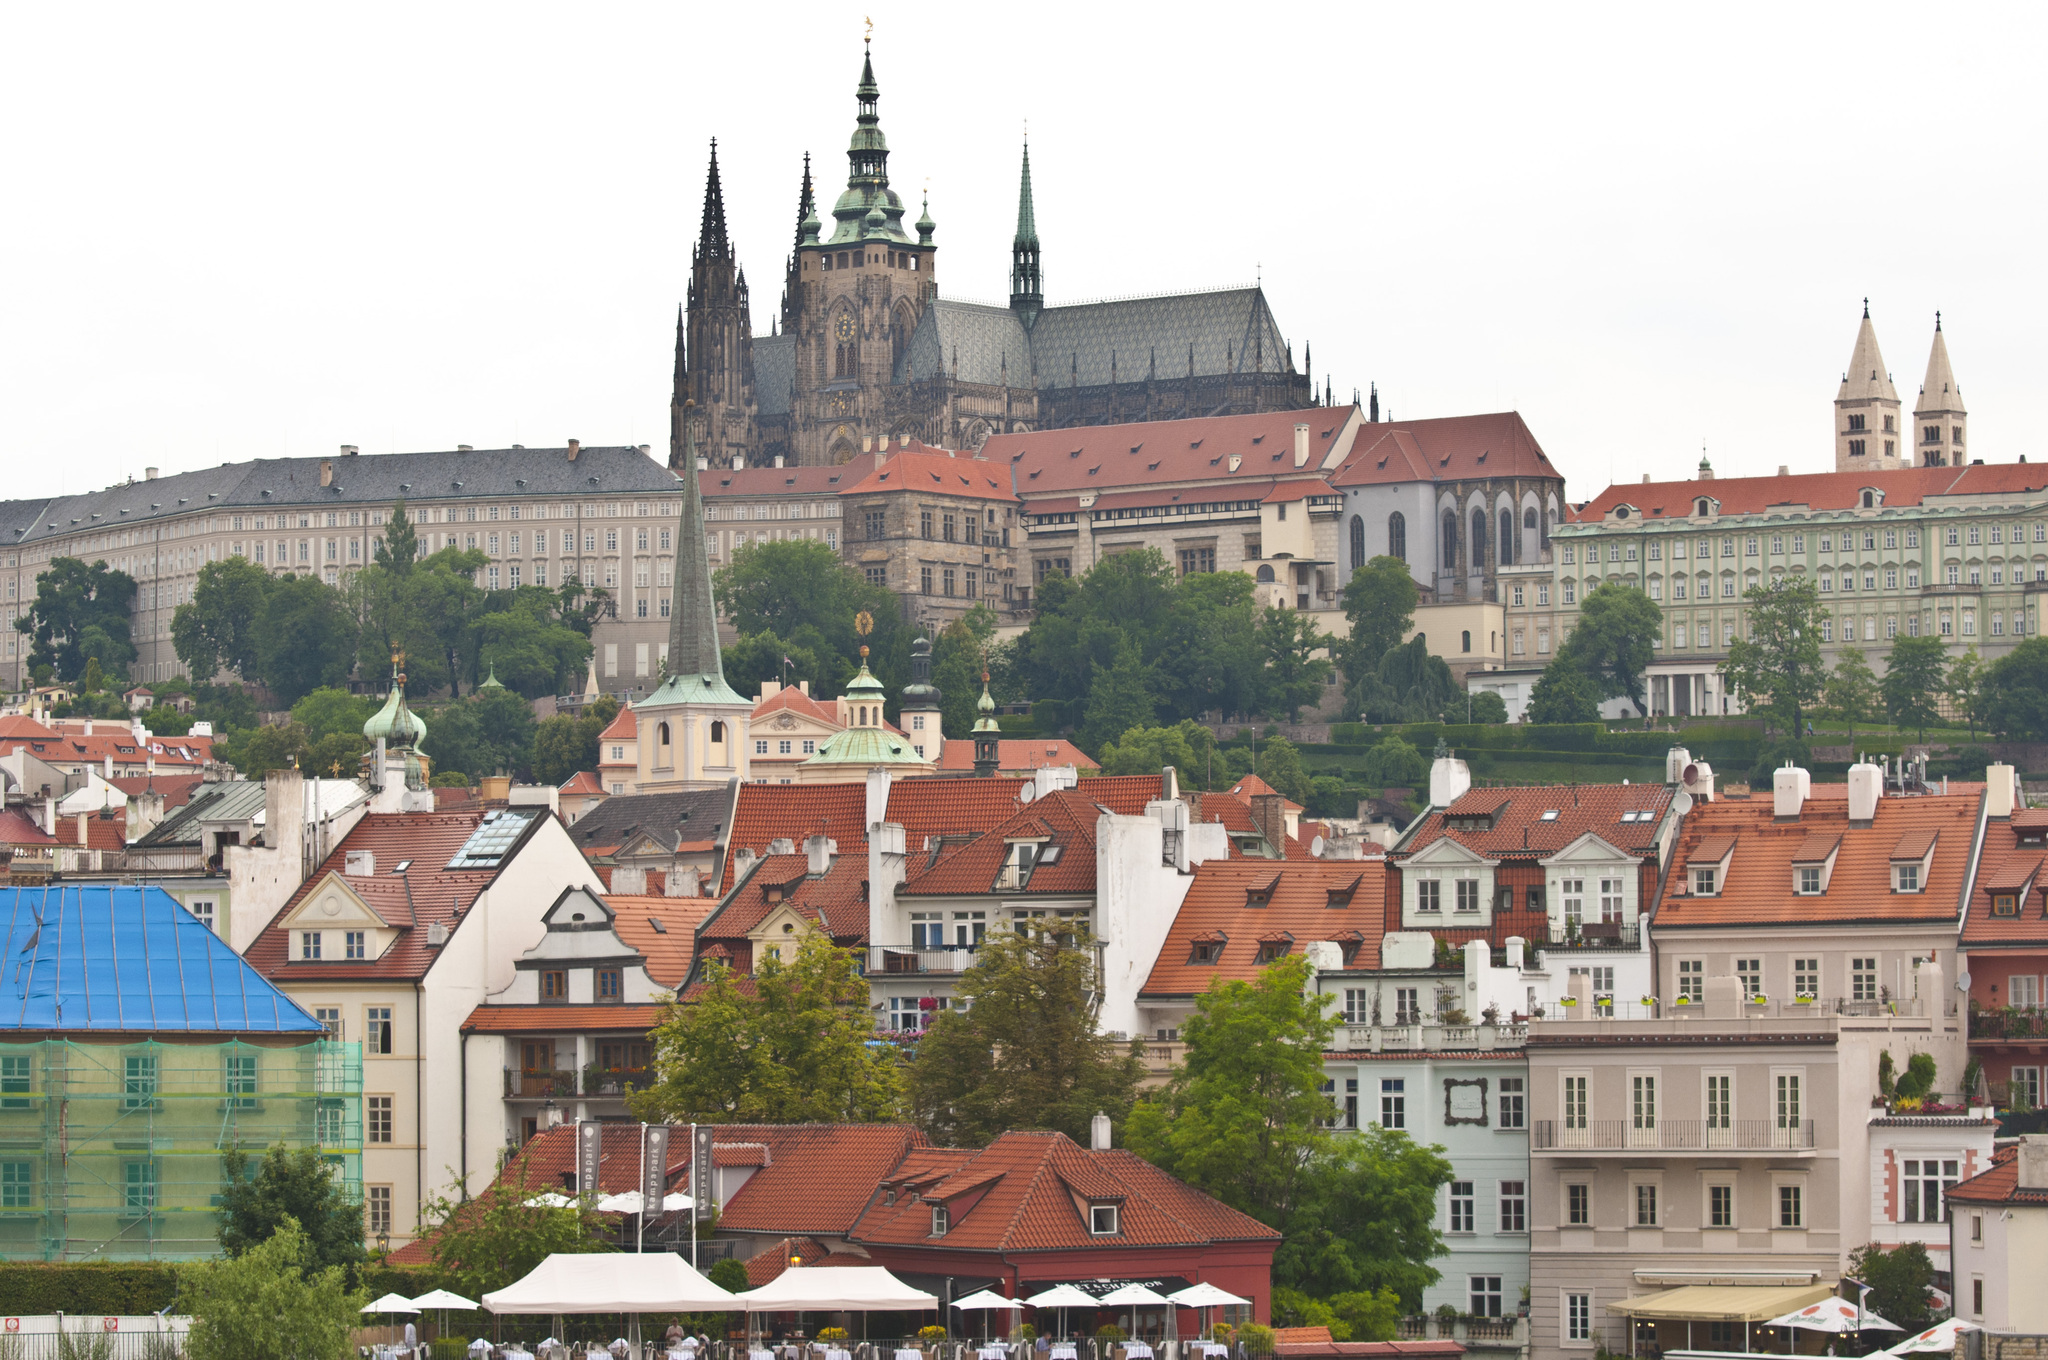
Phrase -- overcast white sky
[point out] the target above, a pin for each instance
(237, 232)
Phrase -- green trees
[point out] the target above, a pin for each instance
(306, 638)
(1913, 675)
(217, 628)
(794, 1050)
(1487, 707)
(272, 1302)
(1025, 1051)
(1777, 666)
(1851, 690)
(1408, 685)
(1119, 698)
(487, 1243)
(1294, 675)
(80, 613)
(1245, 1119)
(2015, 698)
(1614, 641)
(289, 1186)
(1899, 1280)
(801, 591)
(563, 744)
(1188, 746)
(1965, 686)
(1379, 602)
(491, 732)
(528, 644)
(956, 667)
(1564, 694)
(1280, 765)
(1393, 762)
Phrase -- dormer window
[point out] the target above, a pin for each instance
(1703, 507)
(1102, 1220)
(1809, 880)
(1272, 951)
(940, 1220)
(1207, 952)
(2005, 904)
(1705, 881)
(1906, 878)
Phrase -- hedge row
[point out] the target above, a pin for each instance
(130, 1288)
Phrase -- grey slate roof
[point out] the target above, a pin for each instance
(774, 372)
(360, 479)
(666, 818)
(1230, 330)
(234, 801)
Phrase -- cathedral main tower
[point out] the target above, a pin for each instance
(854, 298)
(714, 343)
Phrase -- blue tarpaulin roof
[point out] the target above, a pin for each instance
(125, 958)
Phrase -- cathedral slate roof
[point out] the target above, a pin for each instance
(774, 373)
(1230, 330)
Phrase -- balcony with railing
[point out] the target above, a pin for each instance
(888, 960)
(2009, 1024)
(538, 1085)
(1777, 1137)
(1419, 1036)
(1593, 936)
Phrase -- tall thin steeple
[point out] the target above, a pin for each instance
(806, 201)
(868, 208)
(1940, 421)
(679, 393)
(695, 671)
(1027, 286)
(711, 238)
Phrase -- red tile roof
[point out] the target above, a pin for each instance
(17, 725)
(1170, 452)
(1017, 755)
(1449, 449)
(790, 698)
(766, 1265)
(837, 903)
(2000, 1184)
(1020, 1194)
(931, 473)
(177, 789)
(1817, 490)
(2011, 862)
(18, 828)
(1535, 822)
(767, 812)
(1758, 885)
(425, 893)
(1251, 786)
(1219, 905)
(624, 727)
(1066, 817)
(667, 951)
(582, 782)
(101, 833)
(637, 1019)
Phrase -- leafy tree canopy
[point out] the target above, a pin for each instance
(1776, 666)
(1393, 761)
(1379, 602)
(1564, 694)
(1488, 707)
(285, 1185)
(800, 588)
(1851, 690)
(1026, 1051)
(2016, 692)
(1914, 674)
(1899, 1280)
(1280, 766)
(1615, 640)
(793, 1050)
(306, 637)
(80, 613)
(217, 629)
(1408, 685)
(272, 1302)
(1188, 746)
(486, 1243)
(1294, 675)
(565, 744)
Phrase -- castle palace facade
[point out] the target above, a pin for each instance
(865, 348)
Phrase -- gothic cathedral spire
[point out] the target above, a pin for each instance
(711, 239)
(1939, 420)
(720, 376)
(806, 201)
(1027, 288)
(1867, 433)
(679, 393)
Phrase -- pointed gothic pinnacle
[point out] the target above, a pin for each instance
(1866, 309)
(1937, 320)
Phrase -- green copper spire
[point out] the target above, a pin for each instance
(925, 225)
(867, 741)
(1027, 287)
(867, 166)
(695, 673)
(491, 680)
(988, 735)
(395, 724)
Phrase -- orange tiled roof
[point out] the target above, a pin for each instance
(1448, 449)
(667, 950)
(1760, 852)
(177, 789)
(427, 892)
(637, 1019)
(101, 833)
(837, 903)
(774, 481)
(1020, 1194)
(938, 473)
(794, 700)
(1218, 908)
(1067, 817)
(583, 782)
(18, 828)
(624, 727)
(2011, 862)
(1536, 822)
(1817, 490)
(1251, 786)
(1999, 1184)
(1017, 754)
(1168, 452)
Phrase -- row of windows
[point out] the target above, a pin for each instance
(947, 581)
(1645, 1207)
(1849, 540)
(1643, 1101)
(1804, 977)
(793, 510)
(377, 1028)
(607, 984)
(1511, 1213)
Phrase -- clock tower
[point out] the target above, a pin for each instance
(860, 287)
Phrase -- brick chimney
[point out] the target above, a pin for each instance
(575, 447)
(327, 472)
(1269, 814)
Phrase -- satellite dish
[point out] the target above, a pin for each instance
(1963, 981)
(1315, 847)
(1691, 775)
(1682, 803)
(1027, 793)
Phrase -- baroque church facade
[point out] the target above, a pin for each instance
(864, 348)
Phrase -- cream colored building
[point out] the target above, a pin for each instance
(605, 515)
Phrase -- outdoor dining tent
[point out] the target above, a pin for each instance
(836, 1289)
(612, 1282)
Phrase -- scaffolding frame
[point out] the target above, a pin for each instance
(112, 1149)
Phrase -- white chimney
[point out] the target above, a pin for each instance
(149, 474)
(778, 460)
(1301, 445)
(2033, 1161)
(1790, 787)
(1053, 778)
(1675, 761)
(1098, 1133)
(359, 863)
(818, 852)
(629, 880)
(437, 934)
(1516, 944)
(782, 845)
(1999, 792)
(1866, 786)
(878, 796)
(88, 727)
(739, 462)
(1449, 780)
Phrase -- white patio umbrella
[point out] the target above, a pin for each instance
(628, 1202)
(552, 1199)
(987, 1300)
(479, 1347)
(1136, 1296)
(442, 1300)
(390, 1303)
(1940, 1337)
(1205, 1296)
(1834, 1314)
(1062, 1297)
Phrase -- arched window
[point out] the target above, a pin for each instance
(1265, 575)
(1450, 545)
(1703, 506)
(717, 733)
(1507, 538)
(661, 734)
(1479, 537)
(1357, 542)
(1868, 500)
(1467, 638)
(1529, 520)
(1397, 536)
